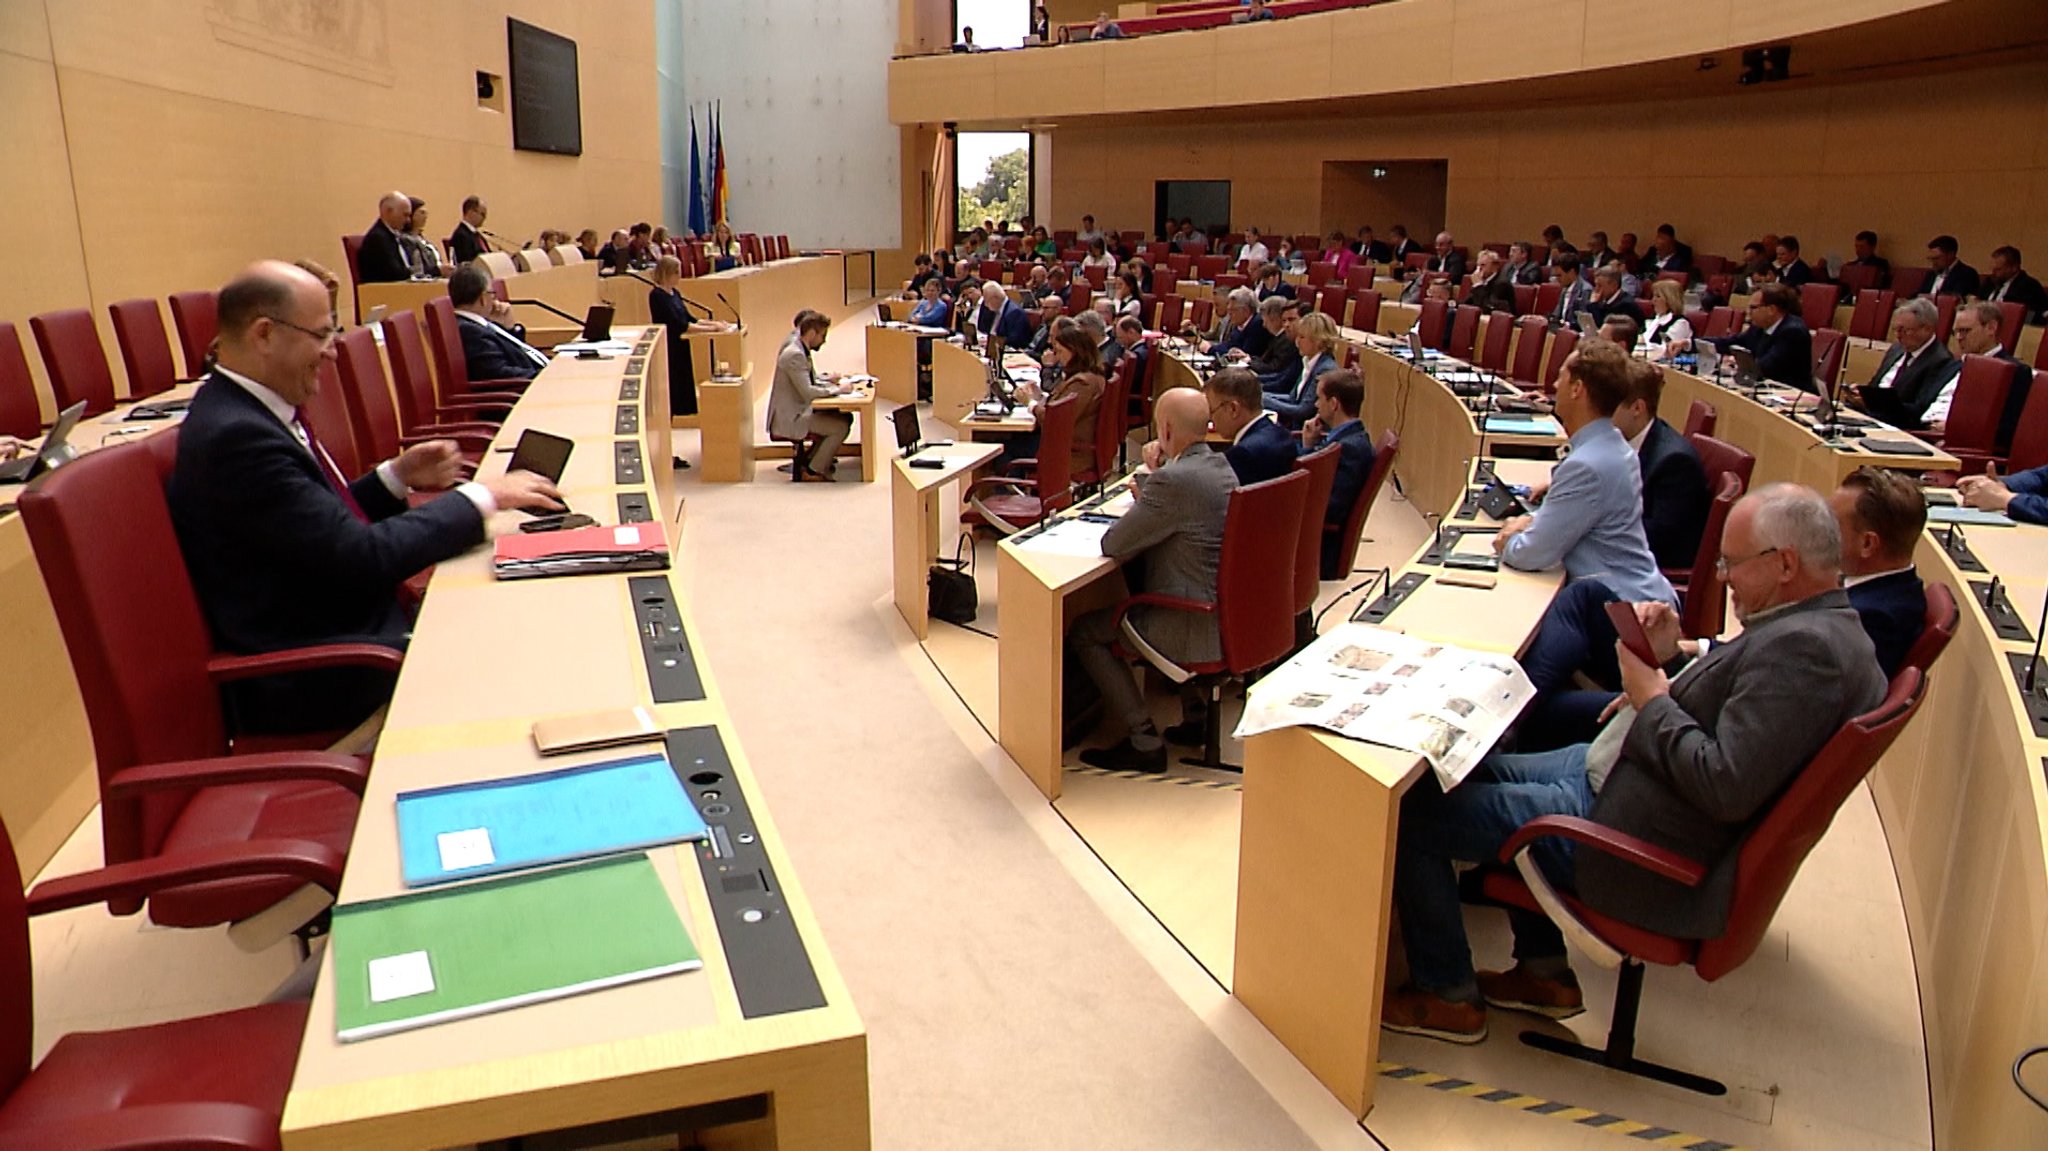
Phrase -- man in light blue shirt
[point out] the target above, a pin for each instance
(1590, 523)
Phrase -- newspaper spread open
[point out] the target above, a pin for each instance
(1447, 704)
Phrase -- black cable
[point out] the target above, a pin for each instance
(1370, 580)
(2020, 1083)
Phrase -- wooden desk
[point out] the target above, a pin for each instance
(894, 355)
(1037, 598)
(959, 381)
(463, 710)
(915, 533)
(727, 417)
(765, 298)
(1786, 449)
(1319, 823)
(570, 287)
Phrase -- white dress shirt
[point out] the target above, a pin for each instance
(387, 472)
(1938, 410)
(1899, 368)
(1254, 252)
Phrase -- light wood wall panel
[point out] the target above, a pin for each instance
(1907, 159)
(47, 265)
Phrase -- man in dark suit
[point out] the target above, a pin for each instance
(1447, 260)
(1007, 325)
(1951, 277)
(1881, 514)
(1521, 268)
(467, 242)
(381, 260)
(1687, 764)
(491, 352)
(1369, 249)
(1260, 449)
(1129, 337)
(1867, 257)
(1597, 254)
(1668, 254)
(1975, 331)
(1177, 525)
(1572, 290)
(616, 255)
(1401, 247)
(1913, 371)
(1777, 337)
(1241, 330)
(1609, 300)
(1675, 494)
(1272, 283)
(1340, 396)
(284, 551)
(1281, 362)
(1493, 290)
(1789, 268)
(2009, 283)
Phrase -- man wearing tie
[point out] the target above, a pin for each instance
(2010, 284)
(468, 242)
(1572, 292)
(1952, 277)
(1777, 337)
(285, 551)
(491, 352)
(1671, 256)
(380, 260)
(1913, 370)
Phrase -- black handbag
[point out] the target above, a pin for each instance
(949, 585)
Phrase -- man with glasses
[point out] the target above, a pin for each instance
(1777, 337)
(1695, 750)
(1913, 370)
(284, 550)
(491, 352)
(1260, 449)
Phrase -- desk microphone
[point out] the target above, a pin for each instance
(737, 322)
(2034, 662)
(544, 306)
(688, 303)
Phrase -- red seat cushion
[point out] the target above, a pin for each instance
(289, 809)
(1013, 509)
(242, 1057)
(1648, 946)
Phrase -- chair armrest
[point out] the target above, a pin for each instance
(348, 771)
(214, 1126)
(482, 389)
(476, 440)
(1004, 483)
(314, 863)
(472, 410)
(1620, 845)
(228, 668)
(1169, 602)
(1972, 463)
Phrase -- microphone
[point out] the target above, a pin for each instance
(2034, 662)
(737, 322)
(544, 306)
(491, 235)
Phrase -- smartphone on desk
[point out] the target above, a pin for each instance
(560, 521)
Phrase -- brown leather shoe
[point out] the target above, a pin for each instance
(1518, 990)
(1413, 1011)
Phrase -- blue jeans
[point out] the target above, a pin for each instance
(1469, 823)
(1574, 635)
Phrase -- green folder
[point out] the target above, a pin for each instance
(450, 953)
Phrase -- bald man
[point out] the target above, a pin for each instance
(1177, 526)
(382, 259)
(283, 550)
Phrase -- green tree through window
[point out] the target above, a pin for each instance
(999, 191)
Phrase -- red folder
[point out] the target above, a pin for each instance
(581, 551)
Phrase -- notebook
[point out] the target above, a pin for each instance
(524, 821)
(456, 952)
(581, 551)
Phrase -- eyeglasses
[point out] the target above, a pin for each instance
(324, 335)
(1723, 565)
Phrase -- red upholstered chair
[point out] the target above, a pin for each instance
(1148, 310)
(1330, 302)
(1857, 279)
(215, 1081)
(371, 414)
(1700, 419)
(1945, 316)
(1210, 267)
(1722, 286)
(2041, 354)
(1096, 275)
(1710, 266)
(417, 407)
(1970, 433)
(1064, 238)
(1155, 253)
(1547, 294)
(1525, 299)
(1765, 863)
(1703, 609)
(1415, 261)
(1829, 346)
(1229, 280)
(1354, 520)
(1321, 274)
(1034, 488)
(1254, 607)
(74, 359)
(1937, 627)
(1109, 432)
(1722, 321)
(1365, 309)
(1360, 276)
(1131, 239)
(1563, 342)
(1321, 467)
(1817, 305)
(351, 252)
(151, 679)
(1719, 457)
(1872, 319)
(1181, 265)
(1433, 320)
(326, 413)
(21, 413)
(451, 365)
(1909, 281)
(1493, 346)
(1172, 310)
(2012, 320)
(1079, 295)
(1525, 372)
(1201, 313)
(145, 347)
(198, 319)
(2029, 437)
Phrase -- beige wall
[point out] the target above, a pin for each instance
(156, 147)
(1965, 152)
(1410, 194)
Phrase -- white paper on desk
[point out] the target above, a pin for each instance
(601, 347)
(1447, 704)
(1075, 537)
(1120, 503)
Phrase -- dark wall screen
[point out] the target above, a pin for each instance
(547, 113)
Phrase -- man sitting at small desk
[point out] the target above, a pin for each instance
(2021, 495)
(797, 384)
(1913, 371)
(1686, 765)
(1340, 396)
(1260, 449)
(1881, 515)
(1177, 525)
(283, 549)
(1006, 324)
(491, 352)
(1777, 337)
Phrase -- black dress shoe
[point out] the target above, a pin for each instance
(1188, 733)
(1121, 756)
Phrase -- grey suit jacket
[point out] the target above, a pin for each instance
(1700, 765)
(1177, 524)
(796, 385)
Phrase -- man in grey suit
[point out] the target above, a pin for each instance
(1913, 370)
(797, 383)
(1687, 763)
(1177, 526)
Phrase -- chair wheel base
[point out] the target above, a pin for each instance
(1628, 1064)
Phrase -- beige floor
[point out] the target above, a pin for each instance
(1020, 993)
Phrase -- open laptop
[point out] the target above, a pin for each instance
(597, 325)
(1587, 326)
(55, 452)
(545, 455)
(909, 433)
(1745, 367)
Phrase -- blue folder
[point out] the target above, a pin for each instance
(472, 829)
(1520, 425)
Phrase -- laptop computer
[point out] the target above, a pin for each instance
(1585, 321)
(544, 455)
(1745, 367)
(55, 452)
(597, 324)
(908, 431)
